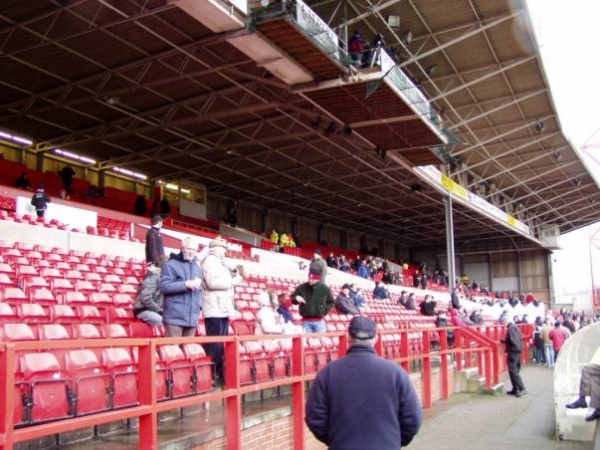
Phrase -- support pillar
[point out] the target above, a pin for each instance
(450, 242)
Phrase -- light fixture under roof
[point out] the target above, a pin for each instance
(74, 156)
(129, 173)
(540, 125)
(393, 21)
(13, 137)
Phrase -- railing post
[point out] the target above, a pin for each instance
(488, 367)
(404, 350)
(7, 383)
(444, 363)
(298, 393)
(379, 345)
(233, 403)
(148, 434)
(458, 343)
(426, 369)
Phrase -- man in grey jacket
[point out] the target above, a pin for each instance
(181, 285)
(149, 300)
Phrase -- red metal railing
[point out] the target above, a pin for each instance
(414, 350)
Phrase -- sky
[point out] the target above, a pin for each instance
(568, 34)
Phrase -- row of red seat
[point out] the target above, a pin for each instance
(35, 313)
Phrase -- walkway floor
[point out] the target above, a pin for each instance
(502, 422)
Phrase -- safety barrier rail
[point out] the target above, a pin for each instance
(413, 351)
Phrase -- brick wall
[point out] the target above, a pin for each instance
(276, 434)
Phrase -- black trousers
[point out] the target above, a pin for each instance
(216, 326)
(514, 367)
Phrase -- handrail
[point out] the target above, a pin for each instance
(149, 407)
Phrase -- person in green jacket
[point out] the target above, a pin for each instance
(315, 300)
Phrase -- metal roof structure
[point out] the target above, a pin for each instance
(155, 87)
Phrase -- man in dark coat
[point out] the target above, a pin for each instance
(428, 305)
(181, 285)
(154, 241)
(363, 401)
(40, 201)
(514, 346)
(343, 302)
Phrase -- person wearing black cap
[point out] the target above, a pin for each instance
(315, 300)
(40, 201)
(363, 401)
(154, 241)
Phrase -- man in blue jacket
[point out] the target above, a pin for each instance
(363, 401)
(181, 285)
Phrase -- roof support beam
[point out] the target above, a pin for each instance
(499, 108)
(500, 70)
(499, 136)
(539, 175)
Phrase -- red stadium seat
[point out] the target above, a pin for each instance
(280, 360)
(8, 270)
(24, 246)
(5, 280)
(83, 268)
(85, 286)
(108, 288)
(92, 277)
(203, 367)
(180, 378)
(51, 272)
(62, 314)
(91, 383)
(32, 313)
(123, 300)
(112, 278)
(100, 299)
(59, 285)
(142, 330)
(124, 387)
(73, 298)
(127, 289)
(53, 332)
(260, 359)
(73, 275)
(47, 388)
(41, 296)
(89, 314)
(55, 258)
(7, 313)
(119, 315)
(12, 295)
(12, 332)
(113, 330)
(85, 331)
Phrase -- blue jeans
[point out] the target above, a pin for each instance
(549, 355)
(151, 318)
(317, 326)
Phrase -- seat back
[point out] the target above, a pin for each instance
(52, 332)
(7, 313)
(12, 332)
(119, 363)
(33, 313)
(113, 330)
(48, 387)
(91, 382)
